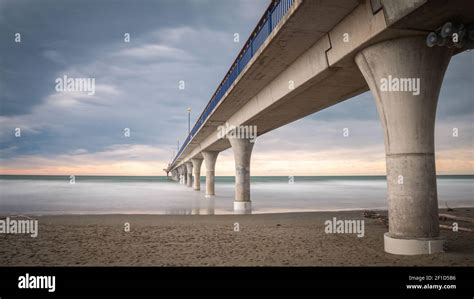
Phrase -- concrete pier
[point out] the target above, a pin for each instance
(197, 173)
(408, 119)
(324, 53)
(210, 158)
(242, 149)
(189, 174)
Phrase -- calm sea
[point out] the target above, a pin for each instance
(156, 195)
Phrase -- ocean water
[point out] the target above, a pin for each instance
(42, 195)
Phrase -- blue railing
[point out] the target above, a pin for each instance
(267, 23)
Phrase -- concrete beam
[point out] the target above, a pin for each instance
(355, 30)
(210, 161)
(197, 173)
(408, 119)
(242, 149)
(395, 10)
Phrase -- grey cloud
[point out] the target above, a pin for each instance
(77, 40)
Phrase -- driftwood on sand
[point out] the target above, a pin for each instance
(374, 215)
(449, 227)
(443, 217)
(448, 208)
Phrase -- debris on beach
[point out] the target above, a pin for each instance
(442, 216)
(449, 227)
(374, 215)
(448, 208)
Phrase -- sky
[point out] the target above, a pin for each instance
(137, 91)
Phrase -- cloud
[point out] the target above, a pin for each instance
(119, 159)
(155, 52)
(103, 95)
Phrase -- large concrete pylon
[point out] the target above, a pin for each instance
(408, 119)
(210, 158)
(242, 149)
(189, 174)
(197, 173)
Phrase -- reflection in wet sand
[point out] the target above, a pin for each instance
(199, 206)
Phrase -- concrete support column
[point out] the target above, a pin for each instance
(174, 175)
(185, 176)
(408, 118)
(210, 161)
(180, 174)
(242, 149)
(189, 174)
(197, 173)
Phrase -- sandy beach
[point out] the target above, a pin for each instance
(289, 239)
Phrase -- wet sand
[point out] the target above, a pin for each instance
(288, 239)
